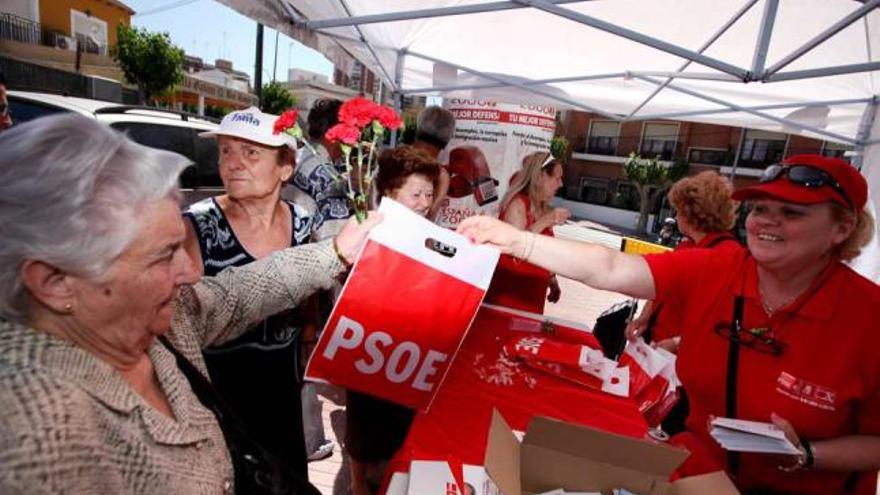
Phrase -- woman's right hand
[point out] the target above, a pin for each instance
(560, 215)
(354, 234)
(635, 328)
(494, 232)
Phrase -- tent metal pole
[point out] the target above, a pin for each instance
(511, 82)
(417, 14)
(770, 8)
(851, 101)
(398, 95)
(822, 72)
(730, 22)
(366, 43)
(629, 34)
(707, 76)
(767, 116)
(820, 38)
(864, 131)
(739, 147)
(534, 82)
(341, 37)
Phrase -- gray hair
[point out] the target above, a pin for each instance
(435, 125)
(70, 193)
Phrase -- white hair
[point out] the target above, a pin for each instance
(70, 193)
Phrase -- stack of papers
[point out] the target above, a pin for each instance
(751, 436)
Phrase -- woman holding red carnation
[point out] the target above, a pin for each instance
(375, 428)
(257, 374)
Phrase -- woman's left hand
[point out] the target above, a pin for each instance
(354, 234)
(792, 436)
(786, 428)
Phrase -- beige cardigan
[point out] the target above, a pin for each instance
(70, 424)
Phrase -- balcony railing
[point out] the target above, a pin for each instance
(663, 148)
(15, 28)
(21, 30)
(600, 145)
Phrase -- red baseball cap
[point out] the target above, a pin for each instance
(850, 180)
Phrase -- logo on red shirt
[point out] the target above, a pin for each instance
(806, 392)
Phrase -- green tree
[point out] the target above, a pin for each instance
(651, 178)
(559, 148)
(408, 136)
(149, 60)
(277, 98)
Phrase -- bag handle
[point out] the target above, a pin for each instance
(732, 372)
(275, 477)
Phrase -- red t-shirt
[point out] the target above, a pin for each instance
(669, 319)
(826, 382)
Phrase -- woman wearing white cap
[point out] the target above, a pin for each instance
(258, 373)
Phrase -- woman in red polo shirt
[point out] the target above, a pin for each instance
(705, 213)
(782, 330)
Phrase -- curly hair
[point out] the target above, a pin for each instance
(704, 201)
(395, 165)
(863, 231)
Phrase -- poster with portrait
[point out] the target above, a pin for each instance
(491, 139)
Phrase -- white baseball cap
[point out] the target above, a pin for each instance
(253, 125)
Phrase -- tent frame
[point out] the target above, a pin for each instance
(756, 73)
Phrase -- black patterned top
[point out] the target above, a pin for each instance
(259, 373)
(317, 186)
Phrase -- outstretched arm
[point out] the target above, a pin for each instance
(594, 265)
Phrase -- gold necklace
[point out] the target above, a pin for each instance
(768, 308)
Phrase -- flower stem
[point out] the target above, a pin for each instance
(370, 167)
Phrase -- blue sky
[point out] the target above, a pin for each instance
(209, 30)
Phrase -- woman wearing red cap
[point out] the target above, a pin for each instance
(779, 331)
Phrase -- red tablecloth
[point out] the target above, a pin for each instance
(480, 379)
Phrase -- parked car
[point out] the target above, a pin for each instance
(154, 127)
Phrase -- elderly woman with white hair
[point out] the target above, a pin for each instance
(102, 320)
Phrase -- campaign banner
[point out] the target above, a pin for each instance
(404, 310)
(491, 139)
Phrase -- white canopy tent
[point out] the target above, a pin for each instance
(808, 67)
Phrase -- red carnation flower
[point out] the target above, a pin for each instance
(343, 133)
(388, 117)
(357, 112)
(284, 122)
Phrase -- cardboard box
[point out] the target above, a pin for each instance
(554, 454)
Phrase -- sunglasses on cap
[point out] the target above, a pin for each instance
(806, 176)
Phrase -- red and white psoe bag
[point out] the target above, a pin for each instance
(404, 311)
(652, 376)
